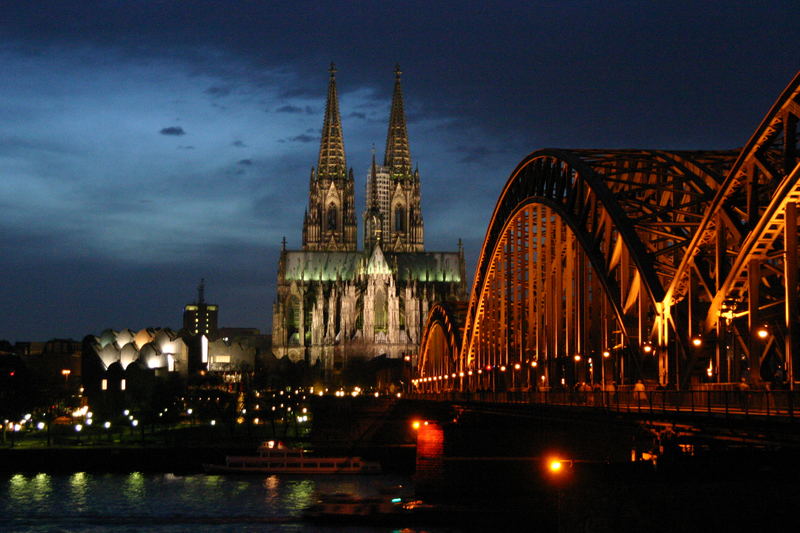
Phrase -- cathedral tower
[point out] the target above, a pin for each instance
(393, 190)
(330, 221)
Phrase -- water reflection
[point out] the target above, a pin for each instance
(115, 503)
(42, 487)
(134, 489)
(78, 483)
(300, 494)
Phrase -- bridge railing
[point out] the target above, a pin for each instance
(776, 403)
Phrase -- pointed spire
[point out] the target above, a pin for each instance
(201, 292)
(331, 149)
(397, 156)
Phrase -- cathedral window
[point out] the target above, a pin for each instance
(380, 304)
(332, 217)
(293, 320)
(399, 218)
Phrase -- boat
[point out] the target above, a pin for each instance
(386, 508)
(275, 458)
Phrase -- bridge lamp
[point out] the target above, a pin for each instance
(461, 374)
(453, 375)
(762, 332)
(469, 373)
(606, 354)
(502, 368)
(534, 364)
(577, 358)
(480, 371)
(555, 466)
(697, 341)
(517, 366)
(647, 348)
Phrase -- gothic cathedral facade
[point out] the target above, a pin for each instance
(335, 302)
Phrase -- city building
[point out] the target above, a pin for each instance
(335, 302)
(199, 317)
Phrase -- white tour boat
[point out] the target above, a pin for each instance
(275, 458)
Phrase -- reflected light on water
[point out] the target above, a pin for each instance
(300, 494)
(134, 489)
(42, 487)
(79, 484)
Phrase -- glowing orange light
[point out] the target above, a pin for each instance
(416, 424)
(503, 368)
(606, 354)
(697, 341)
(555, 466)
(517, 366)
(577, 357)
(647, 348)
(762, 332)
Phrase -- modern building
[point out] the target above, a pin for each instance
(199, 317)
(335, 302)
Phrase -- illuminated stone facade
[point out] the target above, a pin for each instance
(334, 302)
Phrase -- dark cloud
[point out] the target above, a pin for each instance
(356, 114)
(245, 162)
(308, 110)
(475, 154)
(238, 144)
(289, 109)
(218, 92)
(172, 130)
(302, 138)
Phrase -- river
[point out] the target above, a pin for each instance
(86, 502)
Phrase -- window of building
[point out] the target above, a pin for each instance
(399, 218)
(380, 310)
(332, 216)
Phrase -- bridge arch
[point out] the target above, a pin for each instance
(438, 365)
(603, 265)
(576, 260)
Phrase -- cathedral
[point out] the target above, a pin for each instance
(335, 302)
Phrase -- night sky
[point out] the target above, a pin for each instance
(144, 145)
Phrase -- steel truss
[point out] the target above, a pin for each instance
(603, 265)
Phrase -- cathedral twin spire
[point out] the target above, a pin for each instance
(331, 149)
(397, 155)
(329, 222)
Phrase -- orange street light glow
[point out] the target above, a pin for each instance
(416, 424)
(555, 466)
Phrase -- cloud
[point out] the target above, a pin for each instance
(245, 162)
(475, 154)
(218, 92)
(289, 109)
(302, 138)
(357, 114)
(186, 147)
(238, 144)
(172, 130)
(308, 110)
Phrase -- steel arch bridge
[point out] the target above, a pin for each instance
(598, 265)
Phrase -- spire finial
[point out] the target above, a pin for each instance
(397, 71)
(332, 69)
(283, 243)
(201, 291)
